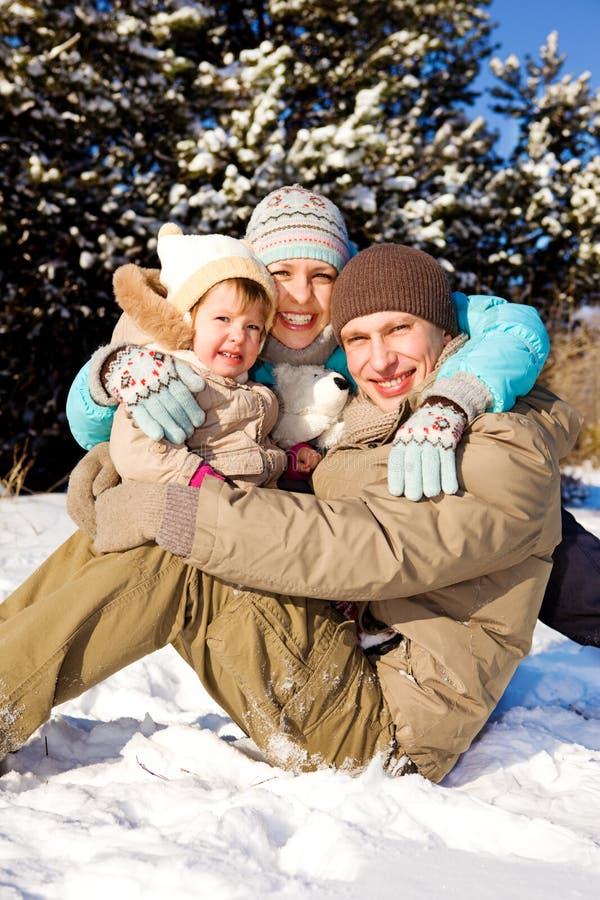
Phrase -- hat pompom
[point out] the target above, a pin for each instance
(169, 228)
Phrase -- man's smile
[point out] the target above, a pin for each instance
(393, 387)
(394, 382)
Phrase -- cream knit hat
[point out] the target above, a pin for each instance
(193, 263)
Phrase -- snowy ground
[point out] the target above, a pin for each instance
(80, 815)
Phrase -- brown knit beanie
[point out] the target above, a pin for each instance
(390, 278)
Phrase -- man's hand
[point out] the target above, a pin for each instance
(422, 460)
(157, 391)
(92, 475)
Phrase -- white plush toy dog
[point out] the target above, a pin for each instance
(311, 401)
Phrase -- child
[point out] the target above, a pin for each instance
(210, 306)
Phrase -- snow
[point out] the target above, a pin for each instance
(136, 790)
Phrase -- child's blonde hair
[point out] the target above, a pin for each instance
(249, 292)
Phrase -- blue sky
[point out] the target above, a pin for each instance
(524, 24)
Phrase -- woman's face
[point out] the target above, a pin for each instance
(304, 288)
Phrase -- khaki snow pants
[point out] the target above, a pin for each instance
(287, 670)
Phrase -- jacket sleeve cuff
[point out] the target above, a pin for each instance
(189, 520)
(463, 389)
(100, 357)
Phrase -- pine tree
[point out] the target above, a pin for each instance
(544, 237)
(120, 115)
(93, 100)
(362, 101)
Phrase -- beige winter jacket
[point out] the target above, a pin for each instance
(461, 577)
(234, 438)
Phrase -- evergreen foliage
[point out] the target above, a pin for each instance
(547, 199)
(120, 115)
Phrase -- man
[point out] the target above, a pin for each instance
(459, 578)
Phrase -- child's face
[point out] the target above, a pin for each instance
(227, 338)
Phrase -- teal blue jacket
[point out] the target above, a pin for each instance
(507, 348)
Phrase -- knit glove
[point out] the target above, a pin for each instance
(422, 459)
(135, 513)
(128, 516)
(157, 391)
(92, 475)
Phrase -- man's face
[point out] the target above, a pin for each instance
(389, 353)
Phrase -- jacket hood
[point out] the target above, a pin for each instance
(140, 294)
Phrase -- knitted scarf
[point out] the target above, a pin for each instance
(365, 423)
(316, 354)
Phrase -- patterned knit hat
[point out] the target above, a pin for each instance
(392, 277)
(293, 223)
(193, 263)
